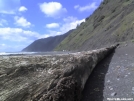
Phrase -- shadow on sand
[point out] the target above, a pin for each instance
(94, 87)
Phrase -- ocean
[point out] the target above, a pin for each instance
(16, 53)
(31, 53)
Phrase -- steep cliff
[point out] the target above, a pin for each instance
(112, 22)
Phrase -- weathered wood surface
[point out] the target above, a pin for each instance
(47, 78)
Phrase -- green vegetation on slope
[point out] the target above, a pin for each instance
(112, 22)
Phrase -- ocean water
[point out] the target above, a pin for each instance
(16, 53)
(31, 53)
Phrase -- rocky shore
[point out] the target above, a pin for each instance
(47, 78)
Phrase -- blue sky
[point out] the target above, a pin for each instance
(23, 21)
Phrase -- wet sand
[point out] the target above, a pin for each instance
(113, 77)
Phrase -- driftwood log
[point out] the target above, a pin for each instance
(47, 78)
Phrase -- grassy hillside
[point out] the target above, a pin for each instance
(112, 22)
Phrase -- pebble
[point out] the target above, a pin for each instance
(108, 81)
(118, 79)
(133, 88)
(96, 89)
(114, 94)
(125, 44)
(126, 75)
(110, 88)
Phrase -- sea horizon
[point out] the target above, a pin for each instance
(32, 53)
(16, 53)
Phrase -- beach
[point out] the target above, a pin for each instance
(113, 77)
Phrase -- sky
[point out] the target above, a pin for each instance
(24, 21)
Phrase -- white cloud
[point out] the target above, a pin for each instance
(15, 39)
(11, 48)
(88, 7)
(17, 34)
(68, 24)
(52, 25)
(76, 6)
(9, 6)
(21, 21)
(7, 12)
(22, 9)
(3, 22)
(2, 47)
(2, 44)
(52, 9)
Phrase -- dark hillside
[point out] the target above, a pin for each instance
(46, 44)
(112, 22)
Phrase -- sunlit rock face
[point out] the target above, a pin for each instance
(47, 78)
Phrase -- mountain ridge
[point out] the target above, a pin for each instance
(111, 23)
(46, 44)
